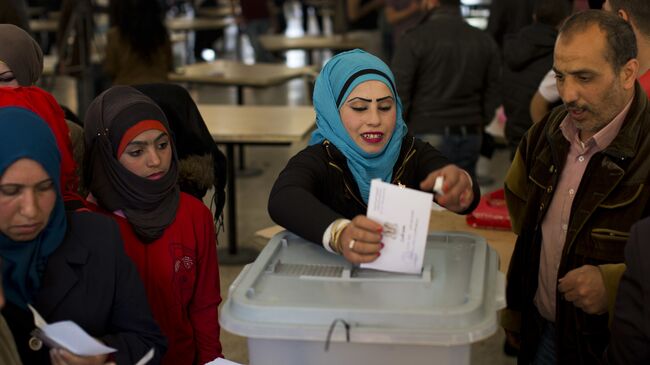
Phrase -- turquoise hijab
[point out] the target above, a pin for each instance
(24, 134)
(337, 79)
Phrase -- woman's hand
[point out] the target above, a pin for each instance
(360, 240)
(64, 357)
(457, 188)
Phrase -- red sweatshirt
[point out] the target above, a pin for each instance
(181, 277)
(644, 80)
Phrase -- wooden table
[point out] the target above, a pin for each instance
(43, 25)
(218, 11)
(188, 25)
(501, 241)
(240, 75)
(339, 42)
(237, 125)
(336, 42)
(234, 73)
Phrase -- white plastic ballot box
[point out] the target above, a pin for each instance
(300, 305)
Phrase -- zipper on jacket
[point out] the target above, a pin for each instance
(400, 171)
(347, 187)
(409, 154)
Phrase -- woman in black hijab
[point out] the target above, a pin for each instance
(131, 170)
(201, 163)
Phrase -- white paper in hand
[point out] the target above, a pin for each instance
(404, 214)
(68, 335)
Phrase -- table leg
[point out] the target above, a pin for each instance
(242, 160)
(243, 171)
(240, 95)
(233, 255)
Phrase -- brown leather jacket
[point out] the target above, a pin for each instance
(613, 194)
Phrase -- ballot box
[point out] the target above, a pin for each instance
(298, 304)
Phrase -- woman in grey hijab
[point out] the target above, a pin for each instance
(21, 58)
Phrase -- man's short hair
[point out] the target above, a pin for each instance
(638, 10)
(552, 12)
(621, 42)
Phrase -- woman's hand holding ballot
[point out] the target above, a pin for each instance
(360, 240)
(457, 188)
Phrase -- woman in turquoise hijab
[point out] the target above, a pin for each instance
(69, 266)
(322, 194)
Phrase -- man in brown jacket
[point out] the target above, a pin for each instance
(578, 181)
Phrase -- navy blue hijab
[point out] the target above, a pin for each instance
(338, 78)
(23, 134)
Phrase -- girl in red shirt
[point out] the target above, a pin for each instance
(131, 170)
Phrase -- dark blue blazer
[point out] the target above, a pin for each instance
(90, 280)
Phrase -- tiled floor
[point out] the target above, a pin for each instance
(253, 192)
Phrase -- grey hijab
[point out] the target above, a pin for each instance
(21, 53)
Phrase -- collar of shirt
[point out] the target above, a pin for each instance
(600, 140)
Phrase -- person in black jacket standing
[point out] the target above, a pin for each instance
(448, 74)
(528, 55)
(630, 328)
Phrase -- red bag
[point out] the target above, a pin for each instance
(491, 212)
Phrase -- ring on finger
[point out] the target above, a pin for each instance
(351, 244)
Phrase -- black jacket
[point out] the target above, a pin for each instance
(447, 74)
(528, 56)
(508, 17)
(316, 187)
(630, 330)
(90, 280)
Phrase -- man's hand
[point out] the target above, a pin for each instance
(457, 188)
(585, 288)
(63, 357)
(361, 240)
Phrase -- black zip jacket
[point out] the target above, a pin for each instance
(447, 74)
(528, 56)
(316, 187)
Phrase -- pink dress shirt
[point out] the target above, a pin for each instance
(556, 221)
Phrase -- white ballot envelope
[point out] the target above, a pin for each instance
(404, 214)
(67, 335)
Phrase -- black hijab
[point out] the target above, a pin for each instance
(149, 205)
(191, 135)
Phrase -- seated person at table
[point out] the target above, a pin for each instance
(360, 136)
(138, 48)
(69, 266)
(131, 169)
